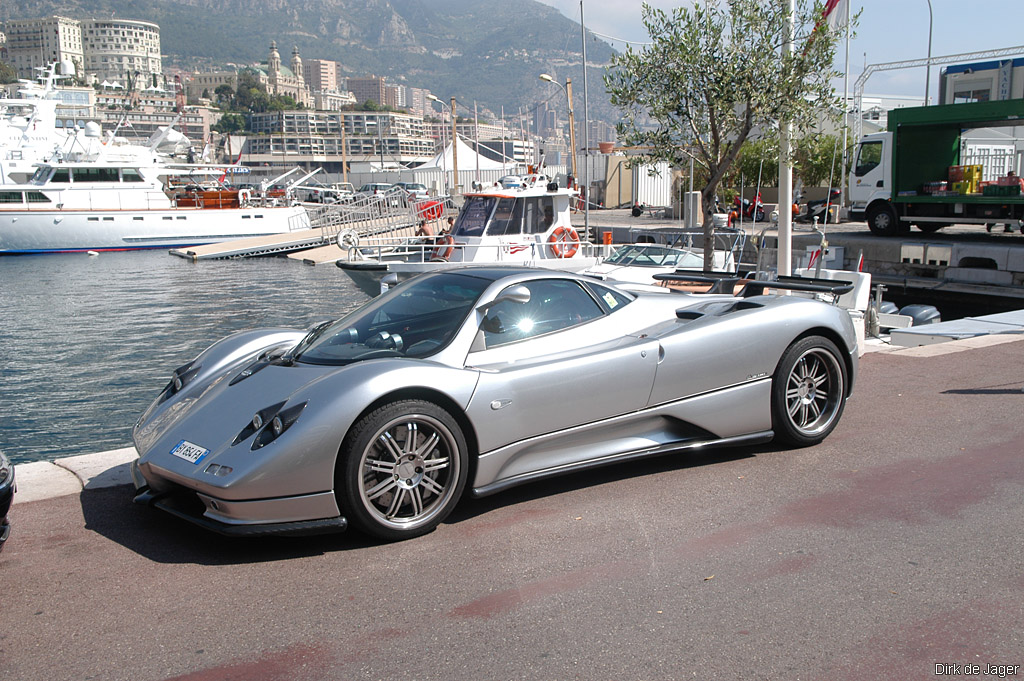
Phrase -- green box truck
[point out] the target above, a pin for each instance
(898, 175)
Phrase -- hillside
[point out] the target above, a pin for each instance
(488, 51)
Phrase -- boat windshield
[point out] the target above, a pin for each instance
(474, 216)
(505, 216)
(643, 255)
(416, 319)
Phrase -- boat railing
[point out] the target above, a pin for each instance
(409, 248)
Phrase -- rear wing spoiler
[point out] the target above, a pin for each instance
(726, 282)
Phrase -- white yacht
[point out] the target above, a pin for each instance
(122, 199)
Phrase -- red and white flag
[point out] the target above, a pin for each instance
(835, 12)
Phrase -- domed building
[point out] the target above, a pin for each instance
(282, 80)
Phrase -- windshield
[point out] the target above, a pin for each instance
(654, 256)
(474, 216)
(415, 319)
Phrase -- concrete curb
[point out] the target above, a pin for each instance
(47, 479)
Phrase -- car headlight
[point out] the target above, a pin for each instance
(268, 424)
(182, 376)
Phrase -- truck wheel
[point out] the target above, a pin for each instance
(882, 220)
(930, 227)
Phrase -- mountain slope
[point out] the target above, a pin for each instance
(488, 51)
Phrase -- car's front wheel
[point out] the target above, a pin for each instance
(808, 391)
(401, 469)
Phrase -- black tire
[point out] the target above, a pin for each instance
(808, 392)
(882, 220)
(401, 470)
(930, 227)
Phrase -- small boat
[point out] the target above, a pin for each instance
(112, 200)
(638, 263)
(515, 225)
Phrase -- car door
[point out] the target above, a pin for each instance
(548, 368)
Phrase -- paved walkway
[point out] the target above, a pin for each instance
(890, 548)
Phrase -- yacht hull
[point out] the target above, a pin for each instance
(59, 231)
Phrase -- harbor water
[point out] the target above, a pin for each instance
(87, 342)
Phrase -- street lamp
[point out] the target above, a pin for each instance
(572, 123)
(928, 67)
(455, 150)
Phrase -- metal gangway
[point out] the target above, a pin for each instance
(389, 212)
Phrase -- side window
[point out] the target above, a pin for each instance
(508, 217)
(555, 304)
(609, 298)
(868, 158)
(10, 197)
(61, 175)
(540, 215)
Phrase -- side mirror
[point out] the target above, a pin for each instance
(518, 294)
(389, 281)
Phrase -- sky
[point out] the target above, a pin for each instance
(889, 30)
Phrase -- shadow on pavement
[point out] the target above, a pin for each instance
(163, 538)
(470, 508)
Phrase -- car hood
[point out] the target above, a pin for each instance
(213, 413)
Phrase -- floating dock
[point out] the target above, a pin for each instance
(272, 244)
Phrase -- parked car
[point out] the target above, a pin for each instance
(6, 496)
(373, 188)
(482, 378)
(415, 190)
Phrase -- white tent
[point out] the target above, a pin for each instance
(467, 159)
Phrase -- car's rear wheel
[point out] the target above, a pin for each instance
(402, 469)
(808, 391)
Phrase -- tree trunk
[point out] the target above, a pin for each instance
(707, 197)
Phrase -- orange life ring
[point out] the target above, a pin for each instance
(444, 248)
(564, 242)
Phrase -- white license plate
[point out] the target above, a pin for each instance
(190, 452)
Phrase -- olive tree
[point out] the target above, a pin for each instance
(714, 73)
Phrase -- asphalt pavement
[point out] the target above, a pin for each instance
(890, 551)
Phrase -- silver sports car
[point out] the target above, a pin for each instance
(486, 377)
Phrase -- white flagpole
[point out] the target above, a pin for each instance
(846, 116)
(785, 235)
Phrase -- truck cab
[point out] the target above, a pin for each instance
(871, 180)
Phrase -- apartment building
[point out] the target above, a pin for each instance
(117, 49)
(314, 138)
(35, 43)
